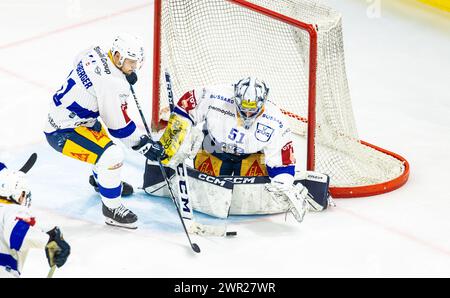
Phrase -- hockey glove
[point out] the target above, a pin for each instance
(295, 196)
(174, 136)
(132, 78)
(57, 249)
(150, 149)
(14, 187)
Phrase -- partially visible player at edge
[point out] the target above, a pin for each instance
(18, 229)
(245, 133)
(99, 87)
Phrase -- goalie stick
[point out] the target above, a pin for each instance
(194, 246)
(185, 205)
(29, 163)
(169, 90)
(184, 201)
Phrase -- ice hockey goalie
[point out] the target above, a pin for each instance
(242, 151)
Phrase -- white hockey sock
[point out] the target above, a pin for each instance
(107, 172)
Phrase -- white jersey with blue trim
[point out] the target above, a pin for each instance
(269, 133)
(94, 88)
(18, 234)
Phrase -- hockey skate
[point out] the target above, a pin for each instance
(127, 189)
(119, 217)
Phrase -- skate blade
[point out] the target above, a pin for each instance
(114, 223)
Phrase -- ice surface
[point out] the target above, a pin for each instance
(398, 69)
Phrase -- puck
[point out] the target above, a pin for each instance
(231, 234)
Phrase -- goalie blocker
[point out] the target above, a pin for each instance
(235, 195)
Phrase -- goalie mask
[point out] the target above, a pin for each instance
(250, 94)
(129, 47)
(14, 188)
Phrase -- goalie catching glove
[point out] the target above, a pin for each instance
(295, 196)
(57, 249)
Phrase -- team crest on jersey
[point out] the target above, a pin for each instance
(263, 132)
(188, 101)
(207, 167)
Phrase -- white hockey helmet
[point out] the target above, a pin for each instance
(250, 95)
(13, 186)
(130, 47)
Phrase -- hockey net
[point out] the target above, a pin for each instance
(296, 47)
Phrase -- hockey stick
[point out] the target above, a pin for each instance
(51, 271)
(169, 90)
(29, 163)
(194, 246)
(187, 211)
(184, 199)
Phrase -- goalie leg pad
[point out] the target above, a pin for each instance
(208, 196)
(254, 199)
(247, 194)
(154, 183)
(318, 187)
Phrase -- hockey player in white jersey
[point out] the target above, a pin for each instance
(245, 135)
(99, 87)
(18, 229)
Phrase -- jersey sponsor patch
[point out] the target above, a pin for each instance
(124, 108)
(253, 165)
(272, 118)
(104, 60)
(287, 154)
(97, 135)
(255, 170)
(263, 133)
(80, 156)
(188, 101)
(207, 167)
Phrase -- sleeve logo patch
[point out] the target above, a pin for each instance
(287, 154)
(263, 133)
(124, 108)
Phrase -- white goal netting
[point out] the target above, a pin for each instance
(205, 42)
